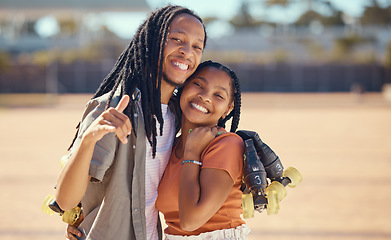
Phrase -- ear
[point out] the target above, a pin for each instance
(229, 109)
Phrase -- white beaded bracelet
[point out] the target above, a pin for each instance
(192, 161)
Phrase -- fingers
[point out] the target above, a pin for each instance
(71, 232)
(112, 120)
(123, 103)
(214, 130)
(197, 141)
(115, 118)
(121, 122)
(124, 127)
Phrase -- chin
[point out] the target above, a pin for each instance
(174, 82)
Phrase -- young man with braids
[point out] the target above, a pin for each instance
(120, 152)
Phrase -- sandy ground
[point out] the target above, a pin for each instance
(341, 143)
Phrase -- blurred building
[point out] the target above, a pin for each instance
(18, 19)
(274, 58)
(29, 62)
(299, 59)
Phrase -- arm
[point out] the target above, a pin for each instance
(74, 177)
(201, 192)
(201, 195)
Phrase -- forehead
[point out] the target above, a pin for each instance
(215, 77)
(187, 24)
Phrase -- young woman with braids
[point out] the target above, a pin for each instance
(126, 134)
(205, 167)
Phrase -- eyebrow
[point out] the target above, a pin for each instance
(219, 87)
(184, 33)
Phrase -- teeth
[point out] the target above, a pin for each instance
(200, 108)
(182, 66)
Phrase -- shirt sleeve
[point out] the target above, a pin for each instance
(104, 151)
(225, 152)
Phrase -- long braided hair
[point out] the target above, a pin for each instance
(237, 96)
(140, 65)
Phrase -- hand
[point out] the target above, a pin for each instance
(197, 140)
(71, 232)
(111, 120)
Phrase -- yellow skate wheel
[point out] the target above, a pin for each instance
(248, 205)
(294, 175)
(272, 202)
(64, 160)
(45, 205)
(279, 190)
(71, 216)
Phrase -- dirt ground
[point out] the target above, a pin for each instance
(341, 143)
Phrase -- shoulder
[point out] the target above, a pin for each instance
(226, 143)
(93, 109)
(225, 152)
(230, 139)
(97, 105)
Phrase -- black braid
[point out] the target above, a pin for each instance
(140, 64)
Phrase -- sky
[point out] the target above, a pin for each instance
(222, 9)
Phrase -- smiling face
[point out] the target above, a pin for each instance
(206, 97)
(183, 49)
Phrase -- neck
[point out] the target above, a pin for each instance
(166, 91)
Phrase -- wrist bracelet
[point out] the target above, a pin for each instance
(192, 161)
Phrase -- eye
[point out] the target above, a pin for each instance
(197, 84)
(198, 48)
(176, 40)
(219, 96)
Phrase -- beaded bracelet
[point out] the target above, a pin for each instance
(192, 161)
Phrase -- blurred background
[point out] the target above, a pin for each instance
(316, 81)
(273, 45)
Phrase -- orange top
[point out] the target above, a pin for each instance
(224, 152)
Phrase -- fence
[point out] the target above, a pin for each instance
(83, 77)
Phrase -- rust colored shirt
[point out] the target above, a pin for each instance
(224, 152)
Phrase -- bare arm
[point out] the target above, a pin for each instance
(74, 177)
(201, 192)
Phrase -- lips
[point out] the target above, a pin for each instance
(199, 107)
(180, 65)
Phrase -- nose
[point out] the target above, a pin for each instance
(185, 49)
(204, 96)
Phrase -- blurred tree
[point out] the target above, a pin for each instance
(244, 19)
(208, 20)
(376, 15)
(311, 15)
(387, 57)
(28, 28)
(336, 17)
(306, 18)
(283, 3)
(5, 61)
(68, 26)
(343, 47)
(334, 20)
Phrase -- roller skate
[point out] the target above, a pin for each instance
(51, 207)
(264, 178)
